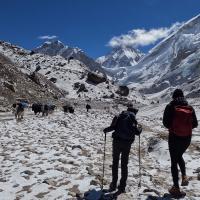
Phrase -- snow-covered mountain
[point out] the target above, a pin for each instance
(175, 61)
(56, 47)
(119, 61)
(72, 76)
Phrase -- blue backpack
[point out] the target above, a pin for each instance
(24, 105)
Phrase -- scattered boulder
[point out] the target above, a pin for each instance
(76, 147)
(47, 72)
(96, 78)
(34, 77)
(54, 80)
(31, 53)
(123, 91)
(28, 172)
(82, 88)
(50, 182)
(38, 68)
(69, 59)
(197, 170)
(151, 143)
(10, 86)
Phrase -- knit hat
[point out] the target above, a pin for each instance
(177, 93)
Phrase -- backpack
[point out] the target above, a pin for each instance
(125, 126)
(23, 104)
(182, 121)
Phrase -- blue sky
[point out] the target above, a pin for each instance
(92, 24)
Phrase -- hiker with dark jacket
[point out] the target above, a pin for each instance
(125, 128)
(88, 107)
(179, 118)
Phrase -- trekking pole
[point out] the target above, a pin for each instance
(139, 184)
(104, 156)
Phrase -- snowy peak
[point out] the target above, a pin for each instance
(120, 61)
(51, 48)
(120, 57)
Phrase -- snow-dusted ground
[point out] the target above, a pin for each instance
(60, 156)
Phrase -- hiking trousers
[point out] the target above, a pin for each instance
(123, 148)
(177, 146)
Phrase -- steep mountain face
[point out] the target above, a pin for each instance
(15, 84)
(72, 76)
(175, 61)
(55, 47)
(119, 61)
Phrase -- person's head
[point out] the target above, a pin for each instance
(131, 109)
(177, 94)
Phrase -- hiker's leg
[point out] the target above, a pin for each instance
(174, 160)
(115, 164)
(184, 144)
(124, 165)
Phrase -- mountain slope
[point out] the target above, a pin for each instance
(55, 47)
(175, 61)
(14, 84)
(70, 76)
(118, 63)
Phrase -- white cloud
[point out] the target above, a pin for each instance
(142, 37)
(47, 37)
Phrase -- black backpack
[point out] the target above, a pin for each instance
(125, 126)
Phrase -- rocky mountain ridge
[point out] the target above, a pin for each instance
(56, 47)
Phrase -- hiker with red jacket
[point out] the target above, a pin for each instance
(179, 118)
(125, 128)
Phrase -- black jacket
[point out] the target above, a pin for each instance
(169, 111)
(124, 127)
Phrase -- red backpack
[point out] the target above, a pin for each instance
(182, 121)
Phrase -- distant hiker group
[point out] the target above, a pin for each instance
(21, 104)
(179, 118)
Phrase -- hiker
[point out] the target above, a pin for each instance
(125, 128)
(88, 107)
(19, 113)
(179, 118)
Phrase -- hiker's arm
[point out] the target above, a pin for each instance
(194, 120)
(167, 116)
(112, 126)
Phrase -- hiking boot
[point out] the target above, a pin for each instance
(112, 187)
(185, 181)
(175, 192)
(121, 189)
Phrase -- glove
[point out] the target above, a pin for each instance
(139, 128)
(105, 130)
